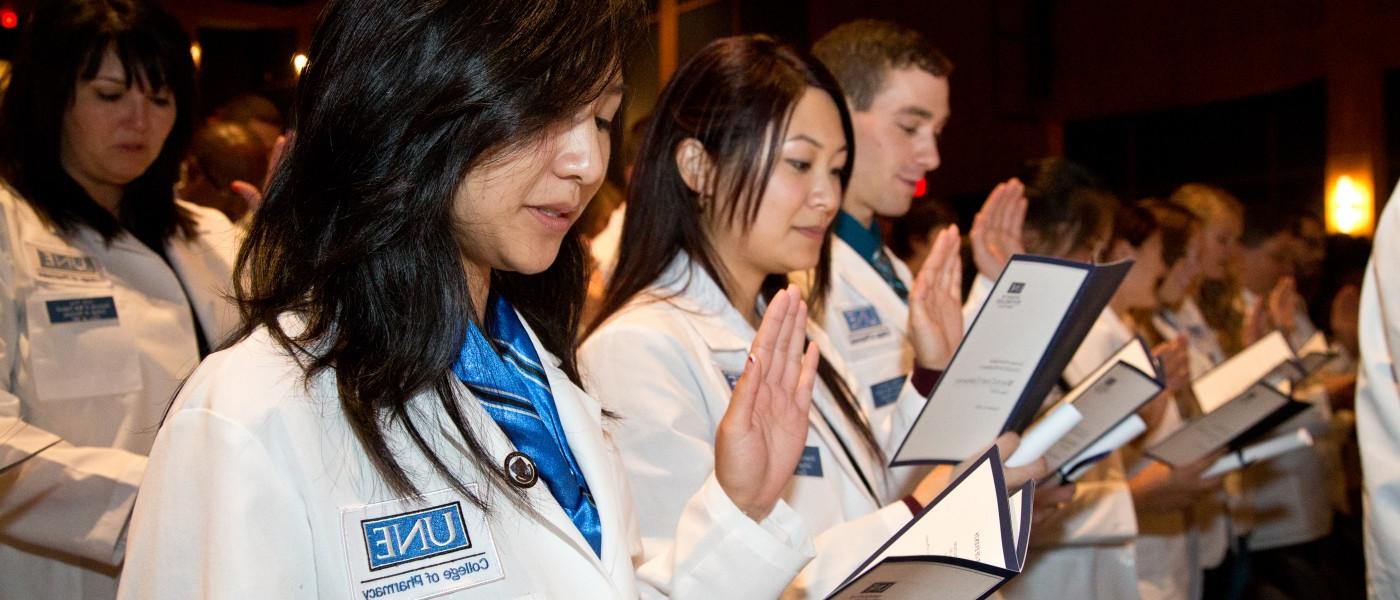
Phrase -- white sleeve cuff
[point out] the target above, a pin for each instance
(781, 538)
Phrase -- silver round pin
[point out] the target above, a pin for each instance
(521, 470)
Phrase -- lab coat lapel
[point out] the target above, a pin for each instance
(204, 265)
(539, 496)
(581, 416)
(863, 278)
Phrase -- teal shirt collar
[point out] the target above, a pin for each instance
(864, 240)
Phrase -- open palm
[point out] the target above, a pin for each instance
(935, 303)
(996, 231)
(761, 436)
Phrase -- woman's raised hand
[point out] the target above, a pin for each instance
(996, 232)
(935, 303)
(761, 436)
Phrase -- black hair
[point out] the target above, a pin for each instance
(1067, 206)
(357, 236)
(1263, 225)
(736, 97)
(923, 217)
(63, 45)
(1133, 224)
(860, 53)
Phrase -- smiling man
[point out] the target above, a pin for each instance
(896, 84)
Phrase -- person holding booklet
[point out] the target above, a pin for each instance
(737, 185)
(1070, 215)
(400, 413)
(1290, 495)
(1164, 548)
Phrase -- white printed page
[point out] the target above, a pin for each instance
(1105, 401)
(1232, 377)
(967, 522)
(994, 363)
(1217, 429)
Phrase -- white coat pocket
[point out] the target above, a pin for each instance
(77, 345)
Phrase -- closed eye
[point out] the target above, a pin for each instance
(801, 165)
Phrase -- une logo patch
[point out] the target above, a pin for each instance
(877, 588)
(397, 539)
(1016, 287)
(864, 317)
(64, 262)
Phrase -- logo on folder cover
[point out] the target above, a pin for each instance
(1012, 297)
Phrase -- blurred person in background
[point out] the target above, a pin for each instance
(255, 112)
(112, 289)
(222, 154)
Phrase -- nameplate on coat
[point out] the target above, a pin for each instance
(409, 549)
(887, 391)
(810, 465)
(864, 324)
(78, 310)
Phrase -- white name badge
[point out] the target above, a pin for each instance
(409, 549)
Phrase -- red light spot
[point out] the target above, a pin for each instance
(9, 19)
(920, 188)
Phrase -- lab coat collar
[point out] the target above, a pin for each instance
(848, 265)
(686, 285)
(196, 274)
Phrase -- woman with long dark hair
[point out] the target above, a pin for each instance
(739, 179)
(111, 291)
(400, 415)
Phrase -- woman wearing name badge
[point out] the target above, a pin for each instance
(737, 184)
(399, 416)
(112, 289)
(1068, 214)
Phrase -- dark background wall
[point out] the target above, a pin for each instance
(1272, 98)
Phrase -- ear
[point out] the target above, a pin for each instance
(695, 166)
(1120, 250)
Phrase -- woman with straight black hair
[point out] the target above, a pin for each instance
(111, 290)
(400, 416)
(738, 182)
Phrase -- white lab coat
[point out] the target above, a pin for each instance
(1086, 550)
(1216, 517)
(98, 374)
(257, 488)
(1378, 407)
(664, 363)
(1290, 496)
(1203, 347)
(877, 350)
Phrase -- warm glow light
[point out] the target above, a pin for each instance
(9, 19)
(921, 187)
(197, 53)
(299, 62)
(1349, 207)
